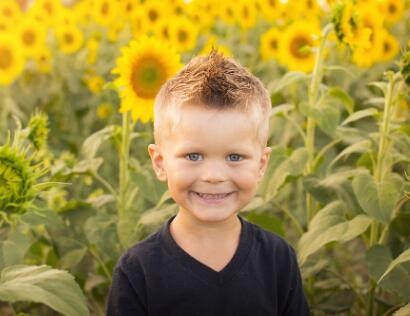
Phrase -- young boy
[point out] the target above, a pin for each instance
(211, 130)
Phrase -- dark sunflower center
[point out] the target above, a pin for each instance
(153, 15)
(29, 37)
(147, 77)
(105, 8)
(386, 47)
(297, 43)
(272, 3)
(48, 8)
(6, 58)
(165, 32)
(7, 12)
(392, 8)
(129, 7)
(182, 36)
(273, 43)
(245, 12)
(68, 38)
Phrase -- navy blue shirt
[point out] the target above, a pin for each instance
(157, 277)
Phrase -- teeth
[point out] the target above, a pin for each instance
(212, 196)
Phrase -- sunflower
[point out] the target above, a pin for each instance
(11, 59)
(227, 12)
(94, 83)
(128, 7)
(183, 34)
(371, 19)
(295, 44)
(162, 30)
(138, 22)
(145, 64)
(195, 11)
(43, 60)
(104, 12)
(70, 38)
(303, 8)
(104, 110)
(178, 7)
(32, 35)
(153, 12)
(271, 10)
(10, 11)
(269, 45)
(349, 28)
(46, 11)
(392, 10)
(246, 14)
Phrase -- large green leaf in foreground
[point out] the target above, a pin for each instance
(42, 284)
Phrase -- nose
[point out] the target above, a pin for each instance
(214, 172)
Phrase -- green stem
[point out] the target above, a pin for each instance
(95, 254)
(379, 172)
(291, 216)
(313, 94)
(105, 183)
(124, 156)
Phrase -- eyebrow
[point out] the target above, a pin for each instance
(195, 147)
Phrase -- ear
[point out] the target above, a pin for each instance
(157, 160)
(264, 162)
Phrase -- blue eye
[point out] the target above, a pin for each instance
(193, 155)
(236, 156)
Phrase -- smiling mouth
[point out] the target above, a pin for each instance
(209, 196)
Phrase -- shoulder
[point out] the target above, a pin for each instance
(135, 257)
(271, 243)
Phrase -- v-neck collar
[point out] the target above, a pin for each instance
(204, 272)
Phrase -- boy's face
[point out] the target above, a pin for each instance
(211, 152)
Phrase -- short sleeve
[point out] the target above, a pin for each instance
(122, 298)
(296, 303)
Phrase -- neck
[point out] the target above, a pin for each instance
(206, 232)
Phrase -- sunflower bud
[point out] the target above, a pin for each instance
(38, 127)
(17, 180)
(337, 15)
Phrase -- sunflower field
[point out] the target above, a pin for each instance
(77, 84)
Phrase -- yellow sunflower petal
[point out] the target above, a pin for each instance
(143, 67)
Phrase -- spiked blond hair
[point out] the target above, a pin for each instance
(216, 82)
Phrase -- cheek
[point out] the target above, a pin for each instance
(246, 179)
(180, 176)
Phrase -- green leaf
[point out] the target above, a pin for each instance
(292, 166)
(42, 217)
(359, 115)
(377, 200)
(94, 141)
(378, 258)
(288, 79)
(403, 257)
(359, 147)
(328, 225)
(73, 257)
(337, 302)
(42, 284)
(15, 248)
(343, 97)
(267, 220)
(279, 109)
(379, 84)
(328, 119)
